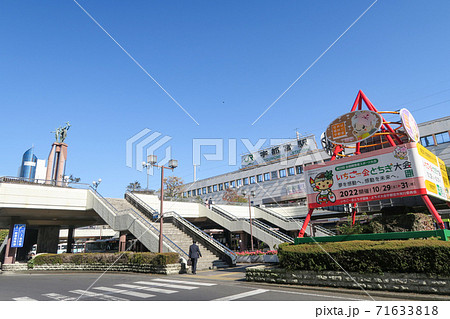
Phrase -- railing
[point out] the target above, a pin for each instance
(42, 182)
(276, 215)
(324, 230)
(298, 204)
(145, 208)
(223, 213)
(201, 234)
(143, 220)
(273, 232)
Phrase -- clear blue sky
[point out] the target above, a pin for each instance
(225, 62)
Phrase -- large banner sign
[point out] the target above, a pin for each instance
(279, 152)
(353, 127)
(401, 171)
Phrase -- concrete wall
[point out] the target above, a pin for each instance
(404, 282)
(42, 197)
(184, 209)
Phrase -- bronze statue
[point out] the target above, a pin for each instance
(61, 133)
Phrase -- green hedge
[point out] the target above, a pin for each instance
(3, 234)
(396, 256)
(107, 258)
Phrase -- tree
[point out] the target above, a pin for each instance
(173, 186)
(73, 179)
(134, 186)
(231, 196)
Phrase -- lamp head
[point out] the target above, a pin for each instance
(173, 163)
(152, 159)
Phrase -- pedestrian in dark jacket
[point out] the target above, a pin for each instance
(194, 254)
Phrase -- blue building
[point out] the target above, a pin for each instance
(28, 167)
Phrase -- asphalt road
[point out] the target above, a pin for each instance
(212, 285)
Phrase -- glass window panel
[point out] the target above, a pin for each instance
(291, 171)
(442, 138)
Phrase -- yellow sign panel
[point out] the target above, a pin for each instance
(431, 187)
(426, 154)
(444, 172)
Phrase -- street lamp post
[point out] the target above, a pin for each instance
(251, 194)
(151, 161)
(96, 183)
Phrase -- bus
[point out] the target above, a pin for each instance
(110, 245)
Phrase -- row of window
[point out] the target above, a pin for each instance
(291, 171)
(438, 138)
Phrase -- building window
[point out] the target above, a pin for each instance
(266, 176)
(274, 175)
(252, 180)
(199, 191)
(209, 189)
(220, 187)
(184, 194)
(282, 173)
(233, 184)
(246, 181)
(194, 193)
(204, 190)
(259, 178)
(442, 138)
(214, 188)
(189, 193)
(299, 169)
(291, 171)
(227, 185)
(239, 182)
(427, 140)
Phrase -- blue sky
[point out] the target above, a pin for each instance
(225, 62)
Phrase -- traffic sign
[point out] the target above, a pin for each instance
(18, 235)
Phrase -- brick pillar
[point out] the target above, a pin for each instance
(123, 241)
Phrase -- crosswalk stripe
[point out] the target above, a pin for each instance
(242, 295)
(59, 297)
(97, 295)
(164, 291)
(195, 283)
(24, 299)
(125, 292)
(160, 284)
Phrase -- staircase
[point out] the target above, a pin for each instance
(208, 260)
(181, 233)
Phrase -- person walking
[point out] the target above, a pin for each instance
(194, 255)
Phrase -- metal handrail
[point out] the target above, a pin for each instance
(223, 213)
(153, 212)
(270, 212)
(271, 231)
(324, 230)
(179, 249)
(42, 182)
(204, 235)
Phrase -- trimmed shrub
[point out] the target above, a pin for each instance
(155, 259)
(396, 256)
(3, 234)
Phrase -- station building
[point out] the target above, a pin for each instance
(274, 175)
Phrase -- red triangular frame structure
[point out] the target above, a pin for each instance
(387, 129)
